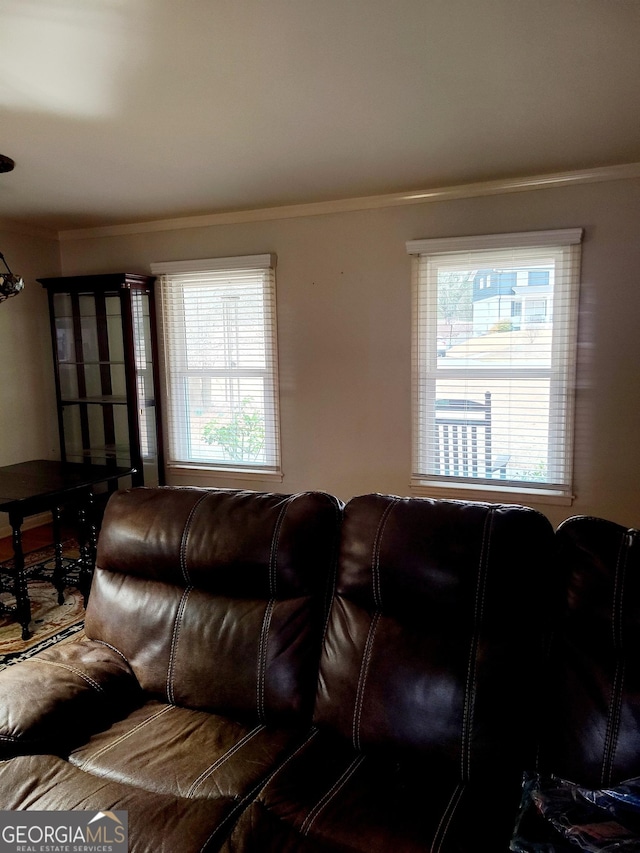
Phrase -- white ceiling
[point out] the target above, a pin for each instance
(119, 111)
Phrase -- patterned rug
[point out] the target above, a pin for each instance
(50, 622)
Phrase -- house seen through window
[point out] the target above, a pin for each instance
(494, 360)
(219, 336)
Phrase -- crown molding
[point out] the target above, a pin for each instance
(460, 191)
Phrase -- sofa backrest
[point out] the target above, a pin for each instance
(435, 633)
(593, 712)
(216, 597)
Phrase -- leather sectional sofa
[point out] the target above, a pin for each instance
(268, 672)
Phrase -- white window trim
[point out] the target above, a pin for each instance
(239, 262)
(525, 239)
(464, 489)
(197, 470)
(202, 474)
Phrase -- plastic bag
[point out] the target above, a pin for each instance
(558, 816)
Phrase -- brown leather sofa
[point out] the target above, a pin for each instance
(281, 673)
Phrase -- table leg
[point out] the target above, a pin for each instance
(23, 605)
(58, 571)
(87, 546)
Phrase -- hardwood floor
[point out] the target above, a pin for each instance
(37, 537)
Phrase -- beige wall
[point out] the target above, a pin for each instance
(344, 317)
(28, 425)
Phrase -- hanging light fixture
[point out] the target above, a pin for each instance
(10, 284)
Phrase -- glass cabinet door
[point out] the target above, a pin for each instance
(104, 353)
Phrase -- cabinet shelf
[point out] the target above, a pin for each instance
(105, 401)
(107, 453)
(90, 363)
(99, 401)
(106, 371)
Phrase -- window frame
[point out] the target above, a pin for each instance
(177, 457)
(564, 245)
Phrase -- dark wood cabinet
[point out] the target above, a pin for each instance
(106, 371)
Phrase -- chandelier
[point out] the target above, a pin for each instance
(10, 284)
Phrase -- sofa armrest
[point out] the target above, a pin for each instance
(55, 700)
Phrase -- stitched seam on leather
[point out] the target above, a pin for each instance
(231, 814)
(185, 536)
(126, 735)
(273, 554)
(249, 798)
(113, 649)
(174, 641)
(375, 558)
(262, 660)
(334, 575)
(281, 767)
(364, 671)
(230, 752)
(330, 794)
(446, 818)
(470, 687)
(90, 681)
(612, 724)
(613, 720)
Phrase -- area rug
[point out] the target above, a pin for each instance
(50, 622)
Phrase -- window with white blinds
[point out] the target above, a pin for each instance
(220, 360)
(494, 350)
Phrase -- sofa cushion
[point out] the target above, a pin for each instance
(162, 823)
(186, 753)
(215, 597)
(593, 721)
(182, 775)
(330, 797)
(436, 630)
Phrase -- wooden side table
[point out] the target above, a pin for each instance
(41, 485)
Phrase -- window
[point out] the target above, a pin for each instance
(494, 409)
(219, 336)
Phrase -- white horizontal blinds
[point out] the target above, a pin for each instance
(494, 360)
(220, 361)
